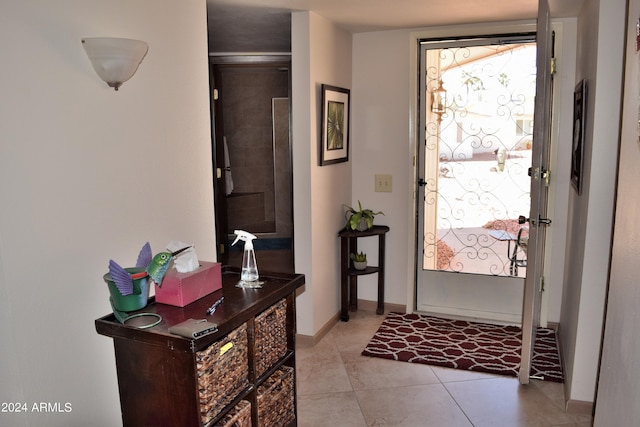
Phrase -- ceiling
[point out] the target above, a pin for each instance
(252, 26)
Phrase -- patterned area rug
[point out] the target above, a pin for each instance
(463, 345)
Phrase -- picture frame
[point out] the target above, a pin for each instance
(577, 149)
(334, 140)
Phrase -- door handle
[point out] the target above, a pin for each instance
(542, 221)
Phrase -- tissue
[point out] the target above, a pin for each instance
(186, 261)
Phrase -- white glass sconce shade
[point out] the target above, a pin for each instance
(114, 59)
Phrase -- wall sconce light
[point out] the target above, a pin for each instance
(439, 101)
(115, 60)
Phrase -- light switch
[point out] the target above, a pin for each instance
(383, 183)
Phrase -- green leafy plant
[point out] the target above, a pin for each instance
(358, 257)
(355, 217)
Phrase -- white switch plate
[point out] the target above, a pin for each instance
(383, 183)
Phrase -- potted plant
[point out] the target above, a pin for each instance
(360, 219)
(359, 260)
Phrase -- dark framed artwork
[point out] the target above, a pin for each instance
(577, 149)
(334, 141)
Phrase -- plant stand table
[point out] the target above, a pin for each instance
(349, 275)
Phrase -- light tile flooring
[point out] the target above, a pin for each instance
(338, 387)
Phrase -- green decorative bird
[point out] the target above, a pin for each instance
(160, 263)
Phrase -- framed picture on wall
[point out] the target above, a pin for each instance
(577, 149)
(334, 141)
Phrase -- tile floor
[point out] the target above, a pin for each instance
(338, 387)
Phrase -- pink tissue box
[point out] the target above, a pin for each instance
(180, 289)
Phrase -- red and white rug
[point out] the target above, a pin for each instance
(463, 345)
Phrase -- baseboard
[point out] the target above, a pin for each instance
(364, 304)
(306, 341)
(580, 407)
(471, 315)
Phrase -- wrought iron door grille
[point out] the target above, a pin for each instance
(479, 115)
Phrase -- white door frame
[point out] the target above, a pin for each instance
(414, 49)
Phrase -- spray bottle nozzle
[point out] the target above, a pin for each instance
(245, 236)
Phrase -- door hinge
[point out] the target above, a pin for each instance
(545, 176)
(540, 174)
(216, 94)
(221, 248)
(552, 69)
(219, 171)
(542, 284)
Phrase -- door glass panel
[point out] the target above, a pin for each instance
(478, 140)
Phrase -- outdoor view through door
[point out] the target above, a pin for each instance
(478, 125)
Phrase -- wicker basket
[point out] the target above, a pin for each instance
(270, 336)
(239, 416)
(276, 402)
(222, 372)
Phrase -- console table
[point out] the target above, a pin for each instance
(349, 275)
(168, 380)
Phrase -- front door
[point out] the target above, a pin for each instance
(477, 99)
(534, 283)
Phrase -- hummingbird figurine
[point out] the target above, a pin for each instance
(153, 266)
(160, 263)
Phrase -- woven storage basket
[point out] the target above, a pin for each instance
(276, 402)
(223, 371)
(239, 416)
(270, 336)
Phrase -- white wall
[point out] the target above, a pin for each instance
(560, 154)
(321, 53)
(599, 61)
(380, 118)
(88, 174)
(619, 381)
